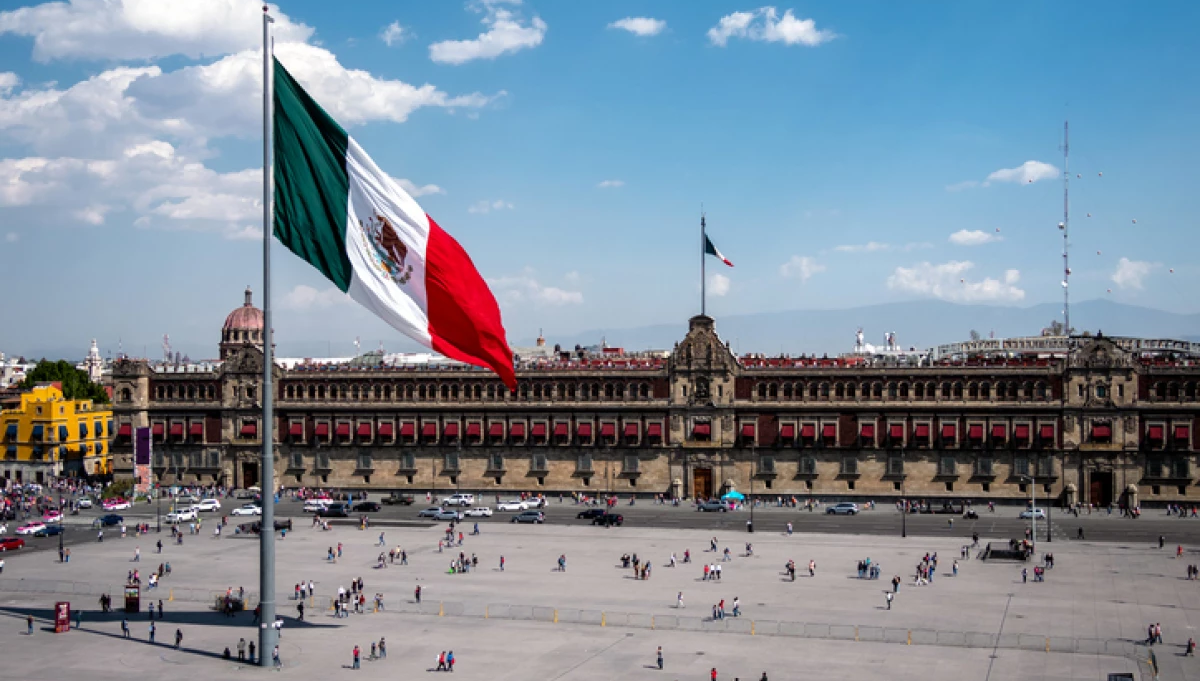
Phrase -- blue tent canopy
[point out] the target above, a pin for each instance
(734, 494)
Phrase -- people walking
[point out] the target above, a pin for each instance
(659, 657)
(178, 638)
(679, 600)
(357, 652)
(889, 600)
(241, 648)
(29, 625)
(278, 664)
(152, 630)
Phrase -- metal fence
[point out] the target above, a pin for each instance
(210, 597)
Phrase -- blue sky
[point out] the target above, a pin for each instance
(842, 152)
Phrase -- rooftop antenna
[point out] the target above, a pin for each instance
(1064, 226)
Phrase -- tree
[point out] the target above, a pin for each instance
(975, 335)
(1055, 328)
(75, 383)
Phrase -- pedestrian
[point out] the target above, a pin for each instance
(660, 658)
(501, 563)
(300, 608)
(789, 529)
(679, 600)
(124, 627)
(382, 649)
(161, 609)
(450, 661)
(151, 609)
(357, 652)
(178, 638)
(417, 591)
(713, 674)
(241, 648)
(29, 625)
(1024, 575)
(441, 662)
(889, 600)
(274, 657)
(381, 542)
(1191, 642)
(137, 554)
(152, 630)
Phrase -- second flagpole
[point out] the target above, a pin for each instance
(267, 635)
(703, 246)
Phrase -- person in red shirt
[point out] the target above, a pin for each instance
(713, 674)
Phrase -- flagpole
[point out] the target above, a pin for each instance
(266, 536)
(703, 246)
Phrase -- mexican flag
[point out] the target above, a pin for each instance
(346, 217)
(709, 249)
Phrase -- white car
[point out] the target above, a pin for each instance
(118, 506)
(512, 505)
(208, 505)
(248, 509)
(478, 512)
(459, 500)
(31, 528)
(185, 515)
(316, 505)
(1035, 513)
(84, 503)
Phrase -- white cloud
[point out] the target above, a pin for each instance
(572, 277)
(394, 34)
(948, 281)
(975, 237)
(414, 190)
(1026, 173)
(12, 237)
(800, 267)
(718, 285)
(123, 30)
(489, 206)
(611, 184)
(8, 81)
(642, 26)
(1132, 273)
(525, 287)
(243, 233)
(304, 297)
(94, 214)
(869, 247)
(764, 24)
(506, 33)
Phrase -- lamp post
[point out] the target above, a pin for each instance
(753, 473)
(1049, 499)
(61, 527)
(1032, 509)
(903, 510)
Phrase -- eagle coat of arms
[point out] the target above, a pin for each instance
(390, 252)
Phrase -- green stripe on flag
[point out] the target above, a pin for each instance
(311, 187)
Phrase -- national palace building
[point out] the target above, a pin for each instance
(1084, 419)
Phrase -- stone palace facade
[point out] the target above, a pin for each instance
(1107, 420)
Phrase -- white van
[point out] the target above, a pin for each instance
(459, 500)
(316, 505)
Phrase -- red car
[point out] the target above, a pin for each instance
(11, 543)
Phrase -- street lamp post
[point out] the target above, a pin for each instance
(1032, 509)
(61, 527)
(903, 510)
(1049, 499)
(753, 473)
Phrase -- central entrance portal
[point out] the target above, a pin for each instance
(702, 483)
(249, 474)
(1100, 488)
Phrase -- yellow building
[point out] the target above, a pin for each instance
(49, 436)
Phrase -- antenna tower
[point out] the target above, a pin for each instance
(1065, 227)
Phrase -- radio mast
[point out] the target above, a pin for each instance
(1065, 227)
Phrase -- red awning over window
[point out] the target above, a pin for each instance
(1022, 432)
(562, 430)
(516, 430)
(428, 430)
(975, 432)
(322, 430)
(1047, 432)
(364, 430)
(949, 431)
(702, 429)
(539, 430)
(747, 430)
(385, 430)
(157, 429)
(1101, 430)
(631, 430)
(450, 430)
(474, 429)
(998, 432)
(654, 430)
(176, 430)
(249, 429)
(496, 430)
(1181, 433)
(343, 430)
(125, 430)
(897, 431)
(828, 431)
(808, 430)
(1155, 433)
(922, 430)
(868, 431)
(296, 430)
(408, 429)
(196, 430)
(584, 430)
(608, 430)
(787, 432)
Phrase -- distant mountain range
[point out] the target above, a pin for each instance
(919, 324)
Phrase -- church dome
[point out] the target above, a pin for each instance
(245, 318)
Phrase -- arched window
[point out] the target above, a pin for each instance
(291, 392)
(762, 391)
(379, 392)
(824, 391)
(1172, 391)
(851, 389)
(877, 390)
(1027, 390)
(973, 390)
(645, 391)
(904, 391)
(945, 390)
(839, 390)
(892, 391)
(773, 391)
(608, 391)
(354, 392)
(321, 392)
(958, 390)
(126, 395)
(787, 391)
(1042, 391)
(919, 391)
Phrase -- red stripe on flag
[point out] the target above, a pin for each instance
(726, 261)
(464, 319)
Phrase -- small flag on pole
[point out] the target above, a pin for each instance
(710, 249)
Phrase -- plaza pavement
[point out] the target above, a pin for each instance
(1096, 601)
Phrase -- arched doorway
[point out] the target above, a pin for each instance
(702, 483)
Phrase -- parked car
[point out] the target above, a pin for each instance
(430, 512)
(459, 500)
(110, 520)
(1035, 513)
(842, 508)
(184, 515)
(30, 528)
(316, 505)
(209, 505)
(529, 517)
(49, 531)
(478, 512)
(609, 519)
(511, 505)
(248, 509)
(713, 505)
(367, 507)
(402, 499)
(11, 543)
(84, 503)
(590, 513)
